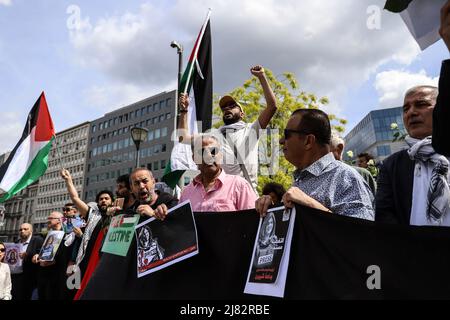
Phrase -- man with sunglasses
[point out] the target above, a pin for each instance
(214, 190)
(239, 139)
(320, 181)
(24, 278)
(51, 274)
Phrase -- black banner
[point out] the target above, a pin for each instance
(332, 257)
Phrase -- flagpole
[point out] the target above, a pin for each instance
(179, 47)
(57, 151)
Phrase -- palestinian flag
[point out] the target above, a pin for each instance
(198, 74)
(128, 222)
(28, 160)
(421, 17)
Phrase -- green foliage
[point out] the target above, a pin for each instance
(289, 98)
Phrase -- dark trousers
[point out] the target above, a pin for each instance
(49, 286)
(22, 286)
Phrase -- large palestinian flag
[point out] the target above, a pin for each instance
(28, 161)
(198, 74)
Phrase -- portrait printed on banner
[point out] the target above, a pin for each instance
(269, 246)
(149, 250)
(51, 245)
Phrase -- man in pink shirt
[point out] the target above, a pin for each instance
(213, 189)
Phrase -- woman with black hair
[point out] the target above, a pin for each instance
(5, 276)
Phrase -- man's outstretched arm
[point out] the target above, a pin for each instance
(82, 207)
(271, 103)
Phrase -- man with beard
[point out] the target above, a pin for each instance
(239, 139)
(123, 190)
(97, 222)
(149, 202)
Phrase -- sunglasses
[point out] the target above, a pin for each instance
(66, 209)
(232, 105)
(2, 250)
(288, 133)
(212, 150)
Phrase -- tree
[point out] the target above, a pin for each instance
(289, 98)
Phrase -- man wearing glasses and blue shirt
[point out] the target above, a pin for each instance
(320, 181)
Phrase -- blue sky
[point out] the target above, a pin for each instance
(120, 53)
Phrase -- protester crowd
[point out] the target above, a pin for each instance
(412, 187)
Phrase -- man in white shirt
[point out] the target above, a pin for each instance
(239, 139)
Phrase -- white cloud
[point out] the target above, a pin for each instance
(10, 130)
(5, 2)
(392, 85)
(325, 43)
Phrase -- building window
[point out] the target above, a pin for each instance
(156, 165)
(163, 164)
(384, 150)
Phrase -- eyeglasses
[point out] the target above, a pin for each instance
(2, 250)
(66, 209)
(25, 229)
(288, 133)
(212, 150)
(50, 218)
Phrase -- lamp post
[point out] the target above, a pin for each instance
(179, 47)
(138, 135)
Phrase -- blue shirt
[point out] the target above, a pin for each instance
(337, 186)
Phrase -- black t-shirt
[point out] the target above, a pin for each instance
(163, 198)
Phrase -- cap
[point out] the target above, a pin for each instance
(226, 101)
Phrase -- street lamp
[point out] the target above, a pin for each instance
(179, 47)
(138, 135)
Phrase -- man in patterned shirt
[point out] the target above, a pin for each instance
(321, 182)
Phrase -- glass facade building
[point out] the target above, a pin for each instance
(373, 134)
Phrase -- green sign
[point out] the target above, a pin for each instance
(120, 234)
